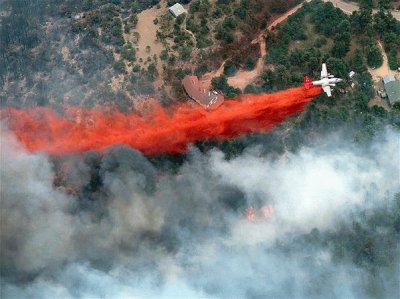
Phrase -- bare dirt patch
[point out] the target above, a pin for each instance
(147, 46)
(206, 79)
(244, 78)
(379, 73)
(377, 101)
(116, 82)
(65, 53)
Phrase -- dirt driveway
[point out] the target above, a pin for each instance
(379, 73)
(243, 78)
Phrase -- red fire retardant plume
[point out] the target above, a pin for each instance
(156, 131)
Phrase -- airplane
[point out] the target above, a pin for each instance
(326, 82)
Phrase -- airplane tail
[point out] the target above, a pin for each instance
(307, 82)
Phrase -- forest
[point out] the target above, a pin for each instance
(128, 215)
(316, 33)
(69, 52)
(75, 67)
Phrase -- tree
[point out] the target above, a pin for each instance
(281, 76)
(87, 5)
(201, 70)
(252, 89)
(119, 66)
(203, 42)
(384, 4)
(313, 64)
(221, 83)
(358, 63)
(250, 63)
(384, 22)
(223, 33)
(365, 85)
(343, 26)
(128, 52)
(326, 17)
(391, 42)
(396, 106)
(320, 41)
(240, 12)
(269, 79)
(361, 20)
(277, 52)
(230, 68)
(393, 62)
(366, 4)
(341, 45)
(338, 67)
(194, 6)
(296, 58)
(152, 71)
(294, 27)
(374, 56)
(133, 20)
(185, 53)
(164, 55)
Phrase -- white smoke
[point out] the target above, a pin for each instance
(313, 188)
(143, 233)
(33, 218)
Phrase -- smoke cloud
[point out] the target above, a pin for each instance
(112, 224)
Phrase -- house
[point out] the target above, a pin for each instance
(207, 99)
(177, 9)
(392, 88)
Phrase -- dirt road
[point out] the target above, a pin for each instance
(384, 70)
(345, 6)
(285, 15)
(244, 78)
(348, 7)
(205, 80)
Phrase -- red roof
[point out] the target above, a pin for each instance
(208, 99)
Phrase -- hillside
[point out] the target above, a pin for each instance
(114, 185)
(316, 33)
(97, 52)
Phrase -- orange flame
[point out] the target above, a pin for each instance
(259, 215)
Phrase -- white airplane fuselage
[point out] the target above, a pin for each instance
(327, 81)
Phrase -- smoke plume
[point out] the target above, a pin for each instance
(158, 130)
(114, 225)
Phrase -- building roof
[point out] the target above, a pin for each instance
(177, 9)
(388, 78)
(393, 91)
(206, 98)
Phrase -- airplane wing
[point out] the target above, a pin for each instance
(327, 90)
(324, 71)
